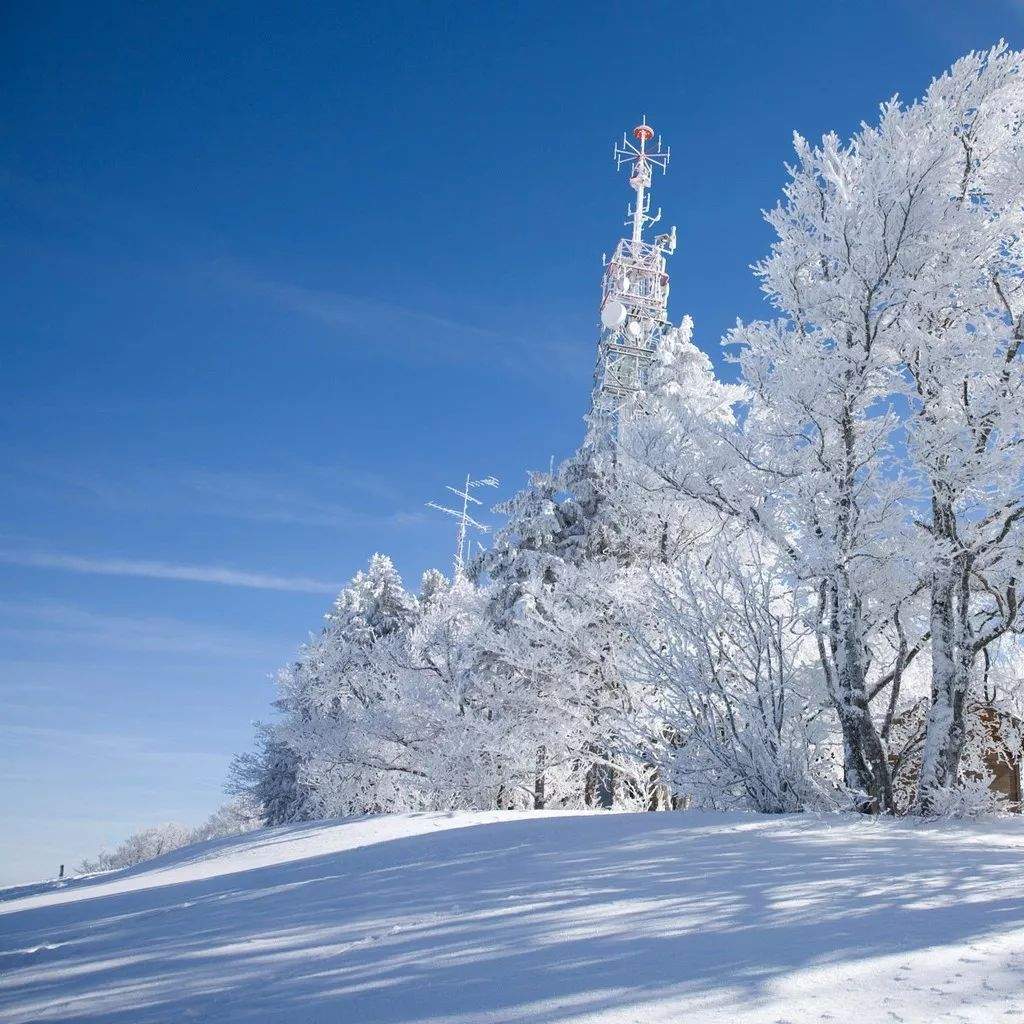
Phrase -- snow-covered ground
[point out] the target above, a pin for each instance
(549, 917)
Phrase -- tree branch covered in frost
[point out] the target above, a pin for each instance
(733, 662)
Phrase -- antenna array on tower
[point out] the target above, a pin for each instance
(634, 293)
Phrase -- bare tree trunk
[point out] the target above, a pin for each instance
(538, 781)
(600, 785)
(952, 654)
(866, 765)
(656, 793)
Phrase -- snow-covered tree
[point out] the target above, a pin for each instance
(955, 160)
(879, 446)
(324, 693)
(558, 570)
(433, 586)
(457, 724)
(140, 846)
(574, 554)
(233, 818)
(806, 467)
(270, 776)
(725, 646)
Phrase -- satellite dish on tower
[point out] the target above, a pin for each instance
(613, 313)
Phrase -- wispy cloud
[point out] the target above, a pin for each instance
(262, 499)
(299, 495)
(354, 312)
(417, 334)
(46, 625)
(131, 747)
(221, 575)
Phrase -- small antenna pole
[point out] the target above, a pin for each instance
(464, 519)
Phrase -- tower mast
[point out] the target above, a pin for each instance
(634, 292)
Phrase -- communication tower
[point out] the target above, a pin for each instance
(634, 291)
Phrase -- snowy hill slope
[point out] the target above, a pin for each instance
(540, 918)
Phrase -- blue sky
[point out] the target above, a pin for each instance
(274, 275)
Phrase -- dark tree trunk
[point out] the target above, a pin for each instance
(538, 782)
(952, 654)
(865, 763)
(600, 785)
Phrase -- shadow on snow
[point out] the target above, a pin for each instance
(524, 920)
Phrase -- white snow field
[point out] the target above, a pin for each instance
(549, 917)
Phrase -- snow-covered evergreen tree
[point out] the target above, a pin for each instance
(307, 764)
(271, 777)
